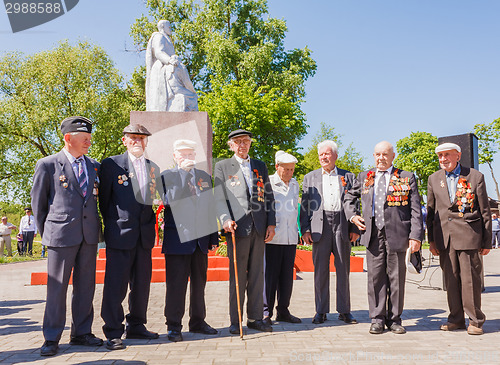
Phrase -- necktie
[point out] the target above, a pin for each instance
(380, 201)
(192, 188)
(82, 178)
(140, 177)
(452, 186)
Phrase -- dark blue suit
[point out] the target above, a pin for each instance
(190, 231)
(129, 232)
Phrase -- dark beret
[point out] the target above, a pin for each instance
(238, 133)
(76, 124)
(136, 129)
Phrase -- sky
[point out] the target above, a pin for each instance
(386, 68)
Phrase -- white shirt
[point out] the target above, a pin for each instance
(331, 191)
(6, 229)
(246, 169)
(378, 175)
(139, 164)
(27, 224)
(286, 200)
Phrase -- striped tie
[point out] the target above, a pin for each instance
(82, 178)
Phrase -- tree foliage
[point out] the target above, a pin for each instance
(350, 159)
(488, 144)
(37, 92)
(236, 58)
(415, 153)
(240, 105)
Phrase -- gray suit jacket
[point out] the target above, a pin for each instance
(233, 200)
(402, 222)
(472, 231)
(63, 215)
(311, 206)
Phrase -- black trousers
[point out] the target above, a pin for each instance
(125, 268)
(180, 268)
(28, 237)
(278, 277)
(386, 279)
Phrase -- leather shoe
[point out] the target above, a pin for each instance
(473, 330)
(49, 348)
(259, 325)
(289, 318)
(206, 330)
(376, 328)
(452, 326)
(234, 329)
(267, 321)
(86, 340)
(114, 344)
(141, 335)
(174, 336)
(347, 318)
(319, 318)
(397, 329)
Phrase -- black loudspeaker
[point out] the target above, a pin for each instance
(469, 145)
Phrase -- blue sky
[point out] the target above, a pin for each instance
(385, 67)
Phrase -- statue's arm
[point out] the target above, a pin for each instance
(160, 51)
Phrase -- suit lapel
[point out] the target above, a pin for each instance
(318, 181)
(68, 172)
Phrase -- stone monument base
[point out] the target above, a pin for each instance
(166, 127)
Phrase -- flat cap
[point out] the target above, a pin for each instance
(447, 146)
(283, 157)
(76, 124)
(27, 208)
(182, 144)
(136, 129)
(239, 133)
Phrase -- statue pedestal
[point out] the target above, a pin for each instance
(166, 127)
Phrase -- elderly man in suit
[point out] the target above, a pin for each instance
(280, 251)
(391, 221)
(324, 225)
(64, 200)
(190, 231)
(245, 206)
(459, 230)
(129, 185)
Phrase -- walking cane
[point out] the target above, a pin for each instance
(237, 284)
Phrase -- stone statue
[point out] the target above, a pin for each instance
(168, 87)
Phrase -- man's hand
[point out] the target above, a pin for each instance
(307, 238)
(359, 222)
(269, 233)
(230, 226)
(433, 249)
(414, 245)
(484, 251)
(353, 236)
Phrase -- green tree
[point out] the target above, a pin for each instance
(37, 92)
(234, 50)
(415, 153)
(488, 139)
(350, 159)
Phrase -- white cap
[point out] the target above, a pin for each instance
(182, 144)
(283, 157)
(447, 147)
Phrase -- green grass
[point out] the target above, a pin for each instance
(37, 252)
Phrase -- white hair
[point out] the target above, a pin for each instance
(328, 143)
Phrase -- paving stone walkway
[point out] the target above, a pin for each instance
(22, 305)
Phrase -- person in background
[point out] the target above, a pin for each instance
(5, 239)
(495, 228)
(27, 227)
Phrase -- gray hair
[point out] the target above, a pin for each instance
(328, 143)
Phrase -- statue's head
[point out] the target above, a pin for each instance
(164, 25)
